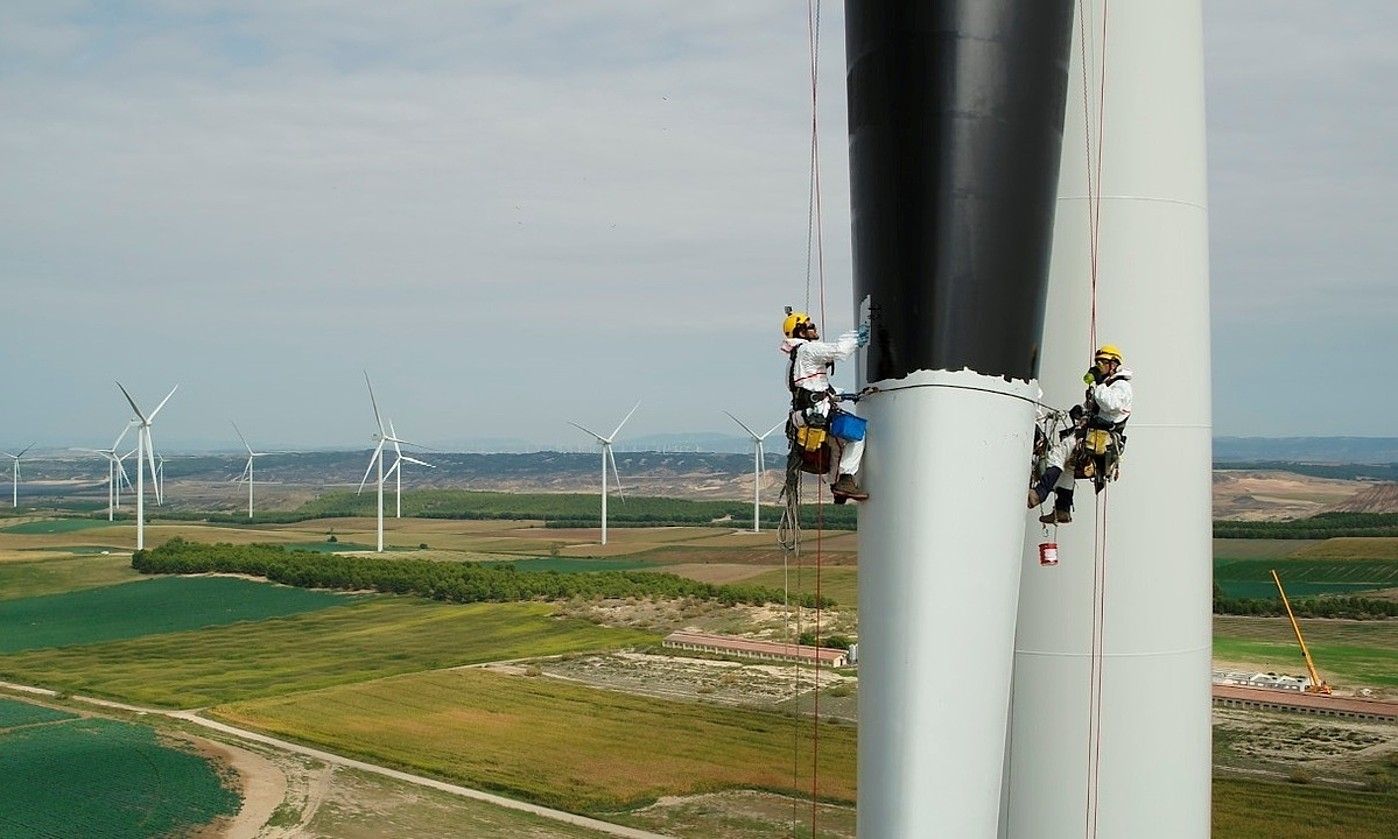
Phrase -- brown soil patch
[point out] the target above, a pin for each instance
(1267, 495)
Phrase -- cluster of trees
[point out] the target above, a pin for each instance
(1353, 608)
(452, 581)
(1323, 526)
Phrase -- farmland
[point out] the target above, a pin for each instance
(560, 744)
(1246, 809)
(96, 777)
(379, 637)
(62, 574)
(109, 613)
(1348, 653)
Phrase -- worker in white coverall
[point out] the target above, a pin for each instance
(1107, 406)
(811, 360)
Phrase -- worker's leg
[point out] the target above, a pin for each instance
(1045, 485)
(851, 455)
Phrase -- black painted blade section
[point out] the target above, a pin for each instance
(956, 125)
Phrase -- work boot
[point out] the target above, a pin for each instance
(846, 488)
(1057, 516)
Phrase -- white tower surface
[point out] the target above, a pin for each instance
(1153, 769)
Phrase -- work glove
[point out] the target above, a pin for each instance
(862, 336)
(1092, 376)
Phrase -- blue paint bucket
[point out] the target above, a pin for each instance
(847, 426)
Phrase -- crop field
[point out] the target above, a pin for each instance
(14, 713)
(54, 576)
(553, 742)
(1246, 809)
(564, 565)
(96, 777)
(375, 637)
(838, 583)
(1365, 547)
(1347, 653)
(1345, 566)
(147, 607)
(49, 526)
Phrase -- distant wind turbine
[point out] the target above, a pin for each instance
(247, 470)
(396, 470)
(756, 466)
(116, 470)
(15, 470)
(383, 436)
(607, 456)
(145, 450)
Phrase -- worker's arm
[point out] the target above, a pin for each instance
(1113, 399)
(824, 352)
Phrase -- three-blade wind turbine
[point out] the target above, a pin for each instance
(756, 466)
(145, 450)
(247, 470)
(15, 470)
(607, 456)
(396, 470)
(385, 435)
(116, 470)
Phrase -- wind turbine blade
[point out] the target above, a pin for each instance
(624, 419)
(132, 403)
(599, 437)
(392, 468)
(23, 450)
(393, 437)
(7, 454)
(162, 404)
(378, 452)
(93, 451)
(125, 430)
(122, 468)
(373, 402)
(418, 462)
(768, 432)
(150, 456)
(240, 436)
(619, 491)
(750, 432)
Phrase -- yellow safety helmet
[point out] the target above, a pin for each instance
(793, 320)
(1109, 351)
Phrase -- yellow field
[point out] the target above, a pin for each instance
(1368, 547)
(555, 742)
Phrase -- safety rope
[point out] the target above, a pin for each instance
(1094, 152)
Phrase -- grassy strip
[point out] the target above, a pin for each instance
(373, 638)
(454, 581)
(1246, 809)
(557, 743)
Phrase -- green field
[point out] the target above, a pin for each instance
(14, 713)
(1346, 653)
(553, 742)
(54, 576)
(565, 565)
(376, 637)
(839, 583)
(1336, 566)
(49, 526)
(167, 604)
(1246, 809)
(96, 777)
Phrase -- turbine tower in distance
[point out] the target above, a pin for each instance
(756, 466)
(607, 456)
(14, 472)
(247, 470)
(396, 470)
(384, 435)
(116, 470)
(145, 450)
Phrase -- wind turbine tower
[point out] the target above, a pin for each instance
(756, 466)
(15, 472)
(385, 435)
(247, 470)
(607, 456)
(144, 450)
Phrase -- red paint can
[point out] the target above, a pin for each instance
(1048, 553)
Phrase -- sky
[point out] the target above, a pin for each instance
(515, 214)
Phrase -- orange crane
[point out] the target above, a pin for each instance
(1317, 684)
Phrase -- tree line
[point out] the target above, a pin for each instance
(459, 582)
(1352, 608)
(1322, 526)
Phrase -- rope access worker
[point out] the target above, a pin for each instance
(812, 397)
(1093, 443)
